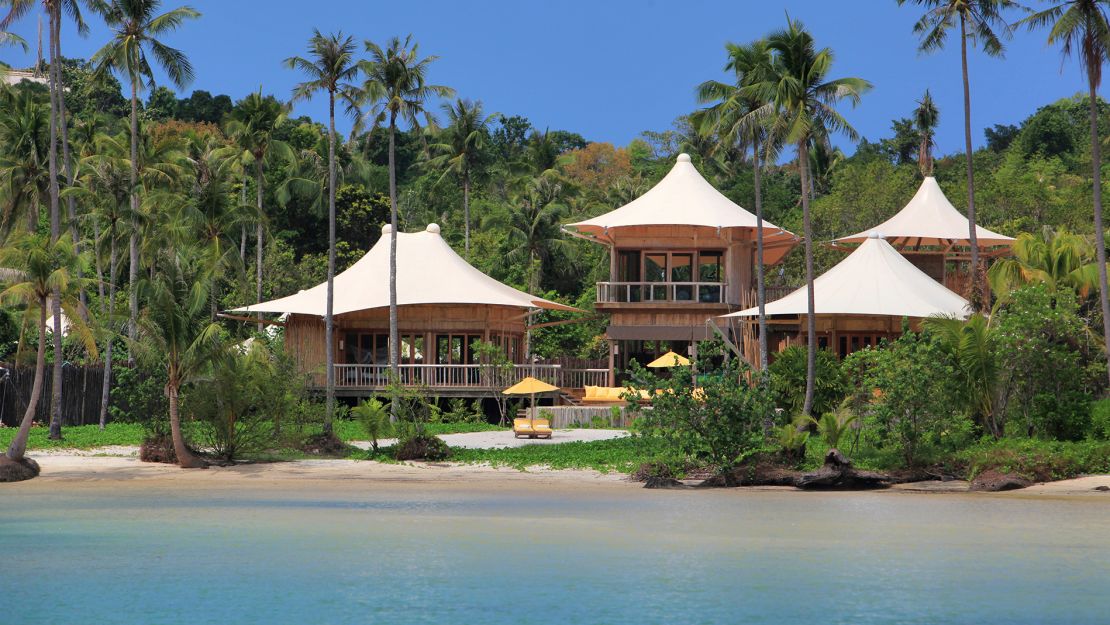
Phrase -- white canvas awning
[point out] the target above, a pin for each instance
(929, 219)
(874, 280)
(428, 272)
(684, 199)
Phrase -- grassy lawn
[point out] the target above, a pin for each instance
(621, 454)
(90, 436)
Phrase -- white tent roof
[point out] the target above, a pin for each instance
(930, 219)
(428, 272)
(873, 280)
(684, 198)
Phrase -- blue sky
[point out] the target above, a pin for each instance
(610, 69)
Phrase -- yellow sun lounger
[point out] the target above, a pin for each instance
(523, 426)
(542, 428)
(532, 428)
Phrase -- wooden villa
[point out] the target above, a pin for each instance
(445, 306)
(860, 301)
(680, 256)
(935, 237)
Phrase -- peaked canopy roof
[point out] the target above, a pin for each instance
(873, 280)
(428, 272)
(930, 219)
(684, 198)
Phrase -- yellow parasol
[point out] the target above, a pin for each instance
(670, 359)
(530, 386)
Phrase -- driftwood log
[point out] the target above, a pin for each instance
(837, 474)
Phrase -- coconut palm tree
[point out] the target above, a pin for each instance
(533, 226)
(136, 26)
(979, 21)
(24, 174)
(396, 88)
(175, 330)
(805, 97)
(739, 115)
(466, 135)
(1081, 26)
(105, 184)
(251, 126)
(1058, 259)
(330, 67)
(42, 268)
(926, 117)
(972, 345)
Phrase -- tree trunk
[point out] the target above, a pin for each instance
(243, 229)
(329, 320)
(185, 458)
(1100, 240)
(258, 238)
(55, 227)
(106, 387)
(67, 159)
(133, 242)
(760, 279)
(18, 446)
(811, 319)
(393, 334)
(466, 210)
(976, 284)
(99, 266)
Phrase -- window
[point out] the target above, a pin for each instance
(628, 270)
(710, 270)
(682, 270)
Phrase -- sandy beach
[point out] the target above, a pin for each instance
(120, 467)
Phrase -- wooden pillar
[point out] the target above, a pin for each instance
(612, 362)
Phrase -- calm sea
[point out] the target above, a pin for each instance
(156, 556)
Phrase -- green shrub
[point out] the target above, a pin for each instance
(788, 381)
(719, 423)
(1100, 419)
(373, 416)
(1039, 460)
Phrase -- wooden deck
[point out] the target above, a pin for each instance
(457, 380)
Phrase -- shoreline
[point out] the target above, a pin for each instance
(119, 467)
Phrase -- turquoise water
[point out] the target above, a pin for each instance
(601, 557)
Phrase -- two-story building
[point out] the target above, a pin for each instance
(680, 255)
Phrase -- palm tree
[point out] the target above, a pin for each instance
(806, 97)
(24, 174)
(174, 329)
(136, 25)
(466, 135)
(925, 117)
(1058, 259)
(330, 67)
(739, 116)
(977, 20)
(972, 345)
(1082, 25)
(396, 87)
(533, 226)
(251, 126)
(43, 268)
(105, 181)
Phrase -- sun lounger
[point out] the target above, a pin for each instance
(523, 426)
(542, 428)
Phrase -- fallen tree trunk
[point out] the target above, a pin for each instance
(838, 474)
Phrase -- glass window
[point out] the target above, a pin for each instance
(682, 270)
(655, 270)
(628, 270)
(350, 348)
(710, 270)
(443, 349)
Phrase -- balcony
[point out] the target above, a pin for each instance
(661, 292)
(475, 377)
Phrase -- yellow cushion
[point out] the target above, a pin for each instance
(591, 392)
(615, 393)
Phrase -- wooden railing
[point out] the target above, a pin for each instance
(750, 298)
(631, 292)
(465, 376)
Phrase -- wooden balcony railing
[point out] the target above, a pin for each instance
(465, 376)
(688, 292)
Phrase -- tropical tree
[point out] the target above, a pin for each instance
(972, 346)
(1059, 259)
(176, 332)
(24, 173)
(136, 26)
(251, 126)
(396, 88)
(330, 67)
(926, 117)
(1081, 26)
(740, 115)
(533, 226)
(978, 21)
(466, 134)
(40, 268)
(805, 98)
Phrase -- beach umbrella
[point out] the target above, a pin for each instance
(670, 359)
(530, 386)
